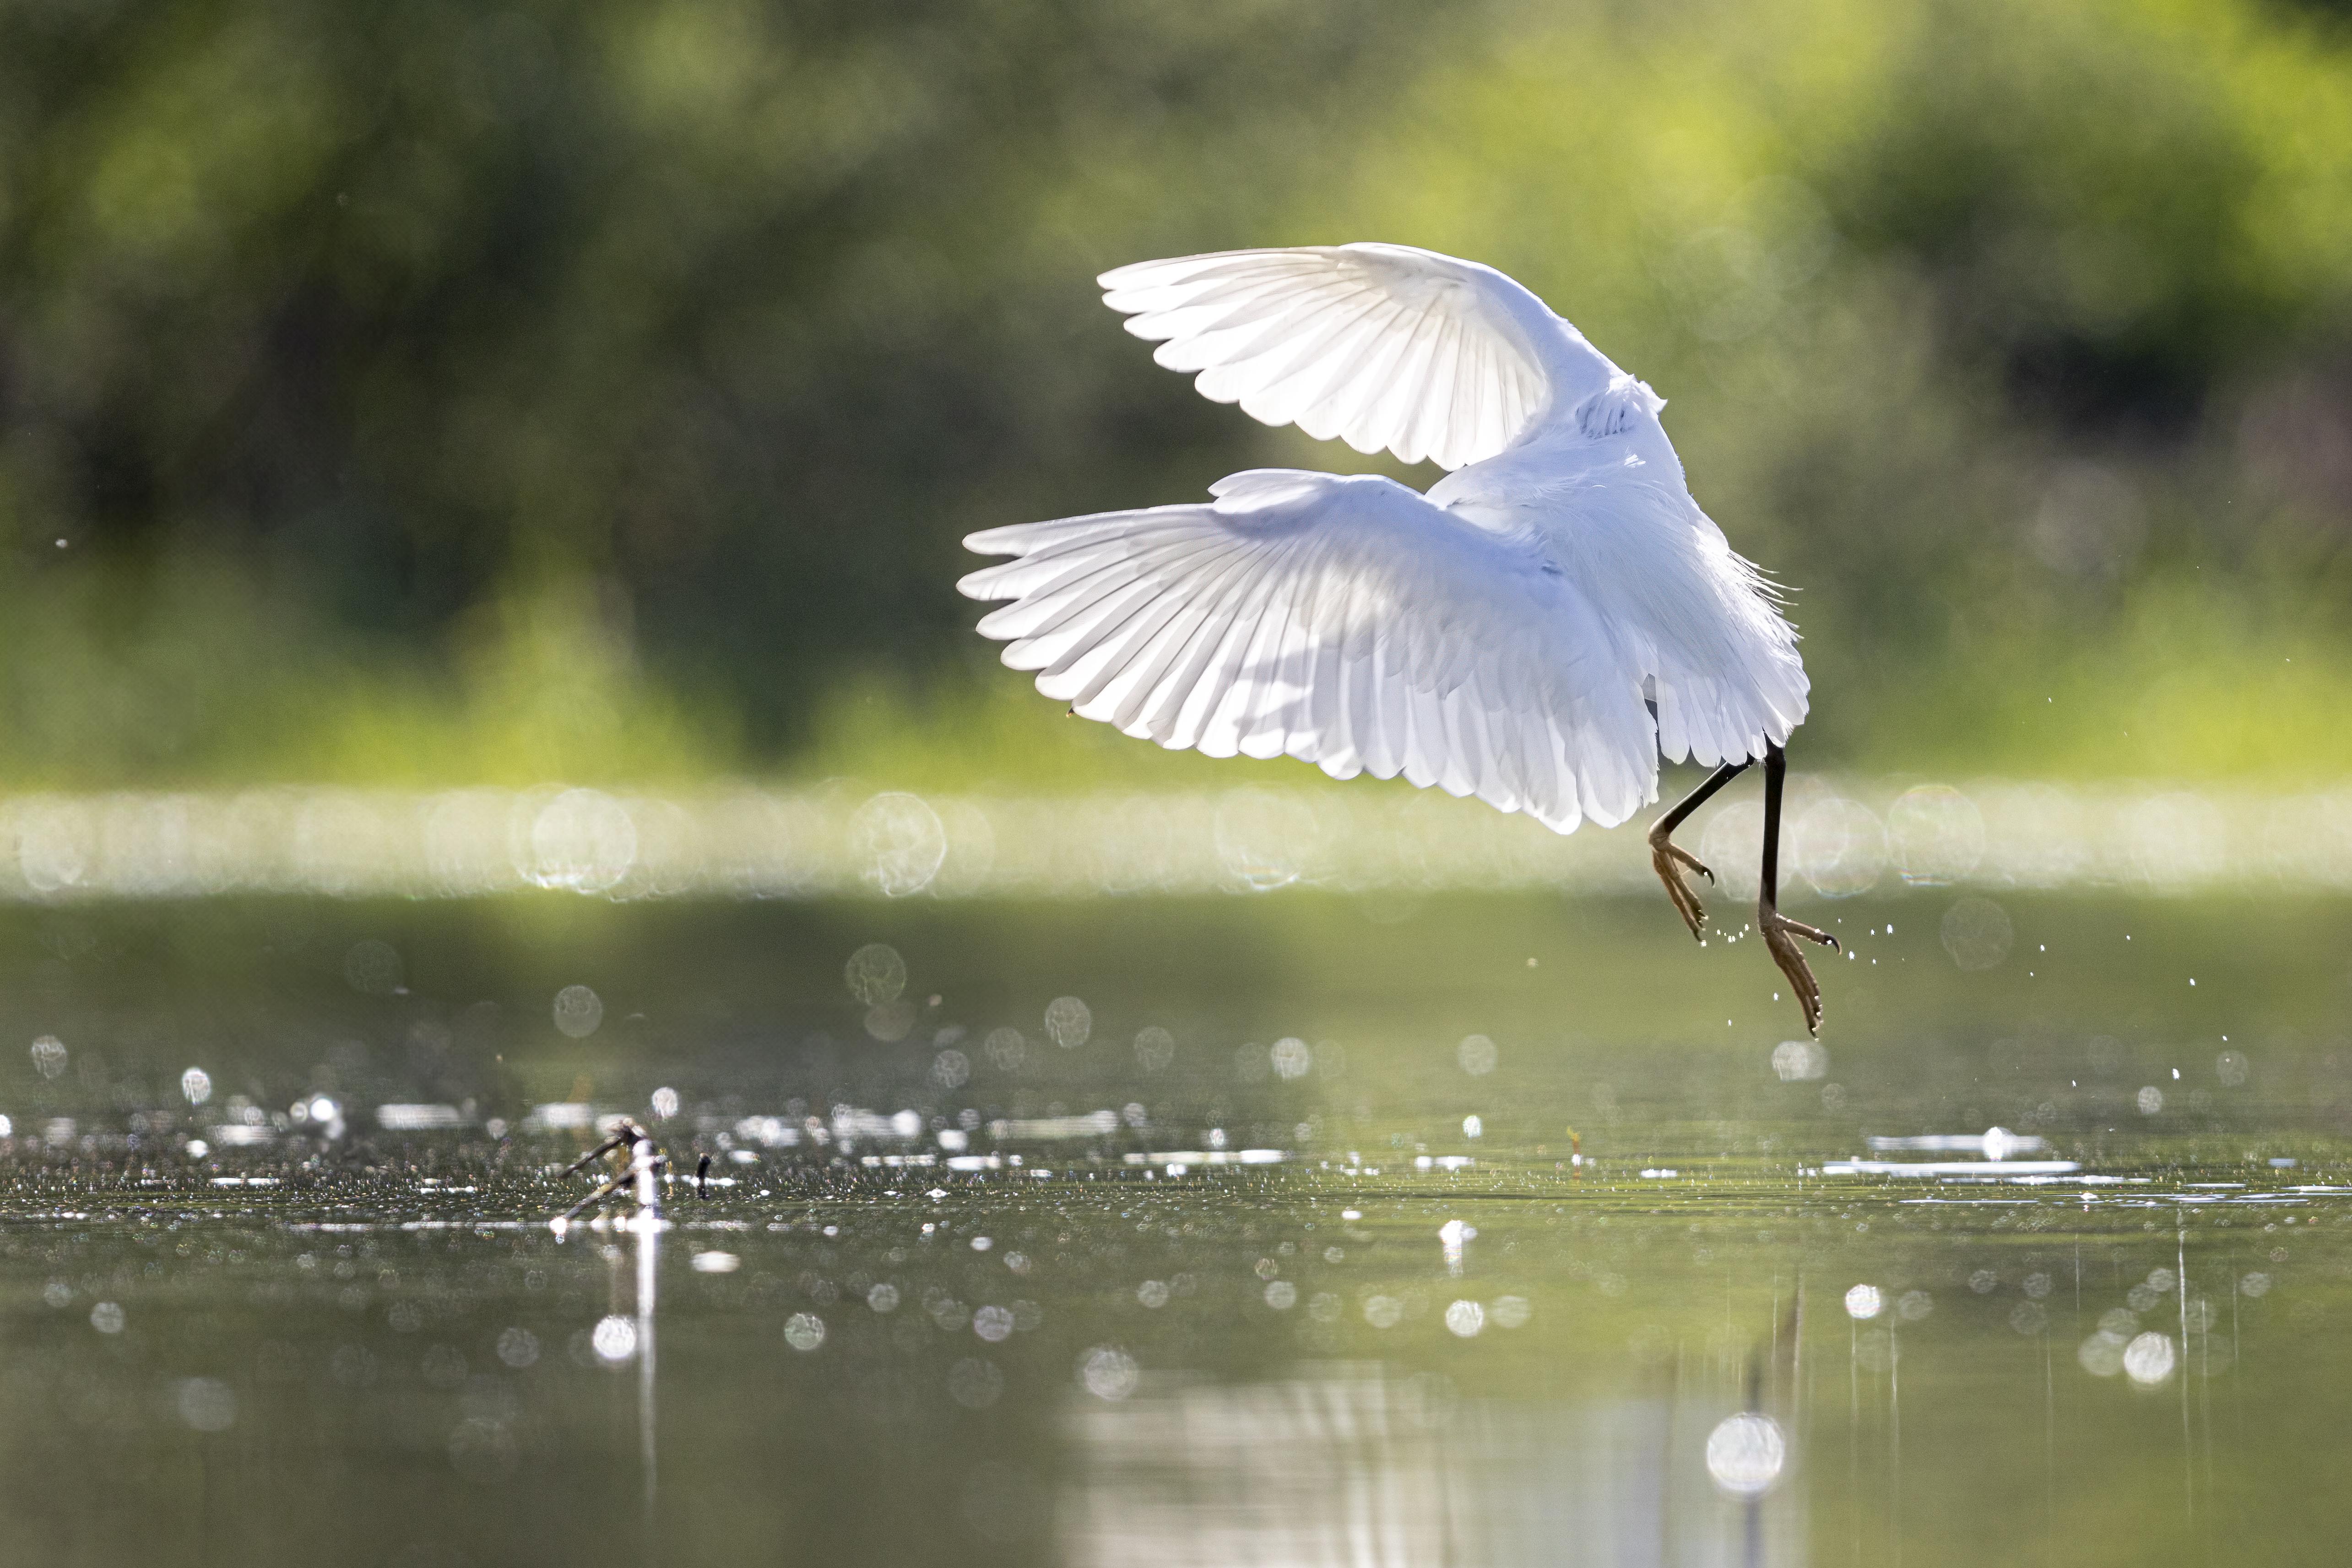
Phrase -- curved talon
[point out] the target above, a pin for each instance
(1684, 857)
(1664, 856)
(1778, 932)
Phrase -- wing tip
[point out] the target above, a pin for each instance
(1163, 270)
(1129, 274)
(974, 585)
(1150, 273)
(994, 540)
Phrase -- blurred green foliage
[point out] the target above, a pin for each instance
(416, 391)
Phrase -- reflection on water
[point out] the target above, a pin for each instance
(1361, 1465)
(645, 1231)
(1301, 1365)
(1238, 1235)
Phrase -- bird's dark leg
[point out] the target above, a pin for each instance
(1666, 856)
(1780, 931)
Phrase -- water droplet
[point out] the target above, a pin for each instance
(876, 974)
(615, 1340)
(1109, 1373)
(2148, 1359)
(1068, 1022)
(900, 843)
(207, 1403)
(48, 1055)
(578, 1011)
(1977, 932)
(1744, 1454)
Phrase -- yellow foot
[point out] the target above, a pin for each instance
(1667, 857)
(1780, 934)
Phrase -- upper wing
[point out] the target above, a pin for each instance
(1346, 622)
(1381, 346)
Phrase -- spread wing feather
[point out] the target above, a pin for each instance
(1380, 346)
(1343, 621)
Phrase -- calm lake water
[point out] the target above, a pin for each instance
(1286, 1229)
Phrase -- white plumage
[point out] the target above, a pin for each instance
(1496, 636)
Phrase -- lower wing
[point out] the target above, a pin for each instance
(1344, 621)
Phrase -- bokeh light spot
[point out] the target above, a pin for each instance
(578, 1011)
(1745, 1453)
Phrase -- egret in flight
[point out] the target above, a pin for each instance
(1537, 630)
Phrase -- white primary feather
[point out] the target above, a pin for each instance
(1495, 637)
(1344, 622)
(1380, 346)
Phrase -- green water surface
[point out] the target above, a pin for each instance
(1536, 1256)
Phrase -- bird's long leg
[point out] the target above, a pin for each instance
(1666, 857)
(1780, 931)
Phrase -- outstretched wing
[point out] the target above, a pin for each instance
(1343, 621)
(1380, 345)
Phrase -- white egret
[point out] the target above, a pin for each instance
(1537, 630)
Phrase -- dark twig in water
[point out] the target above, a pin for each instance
(623, 1135)
(599, 1195)
(647, 1164)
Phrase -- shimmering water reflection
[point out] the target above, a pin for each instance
(1257, 1233)
(1293, 1363)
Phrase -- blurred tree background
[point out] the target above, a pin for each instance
(418, 392)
